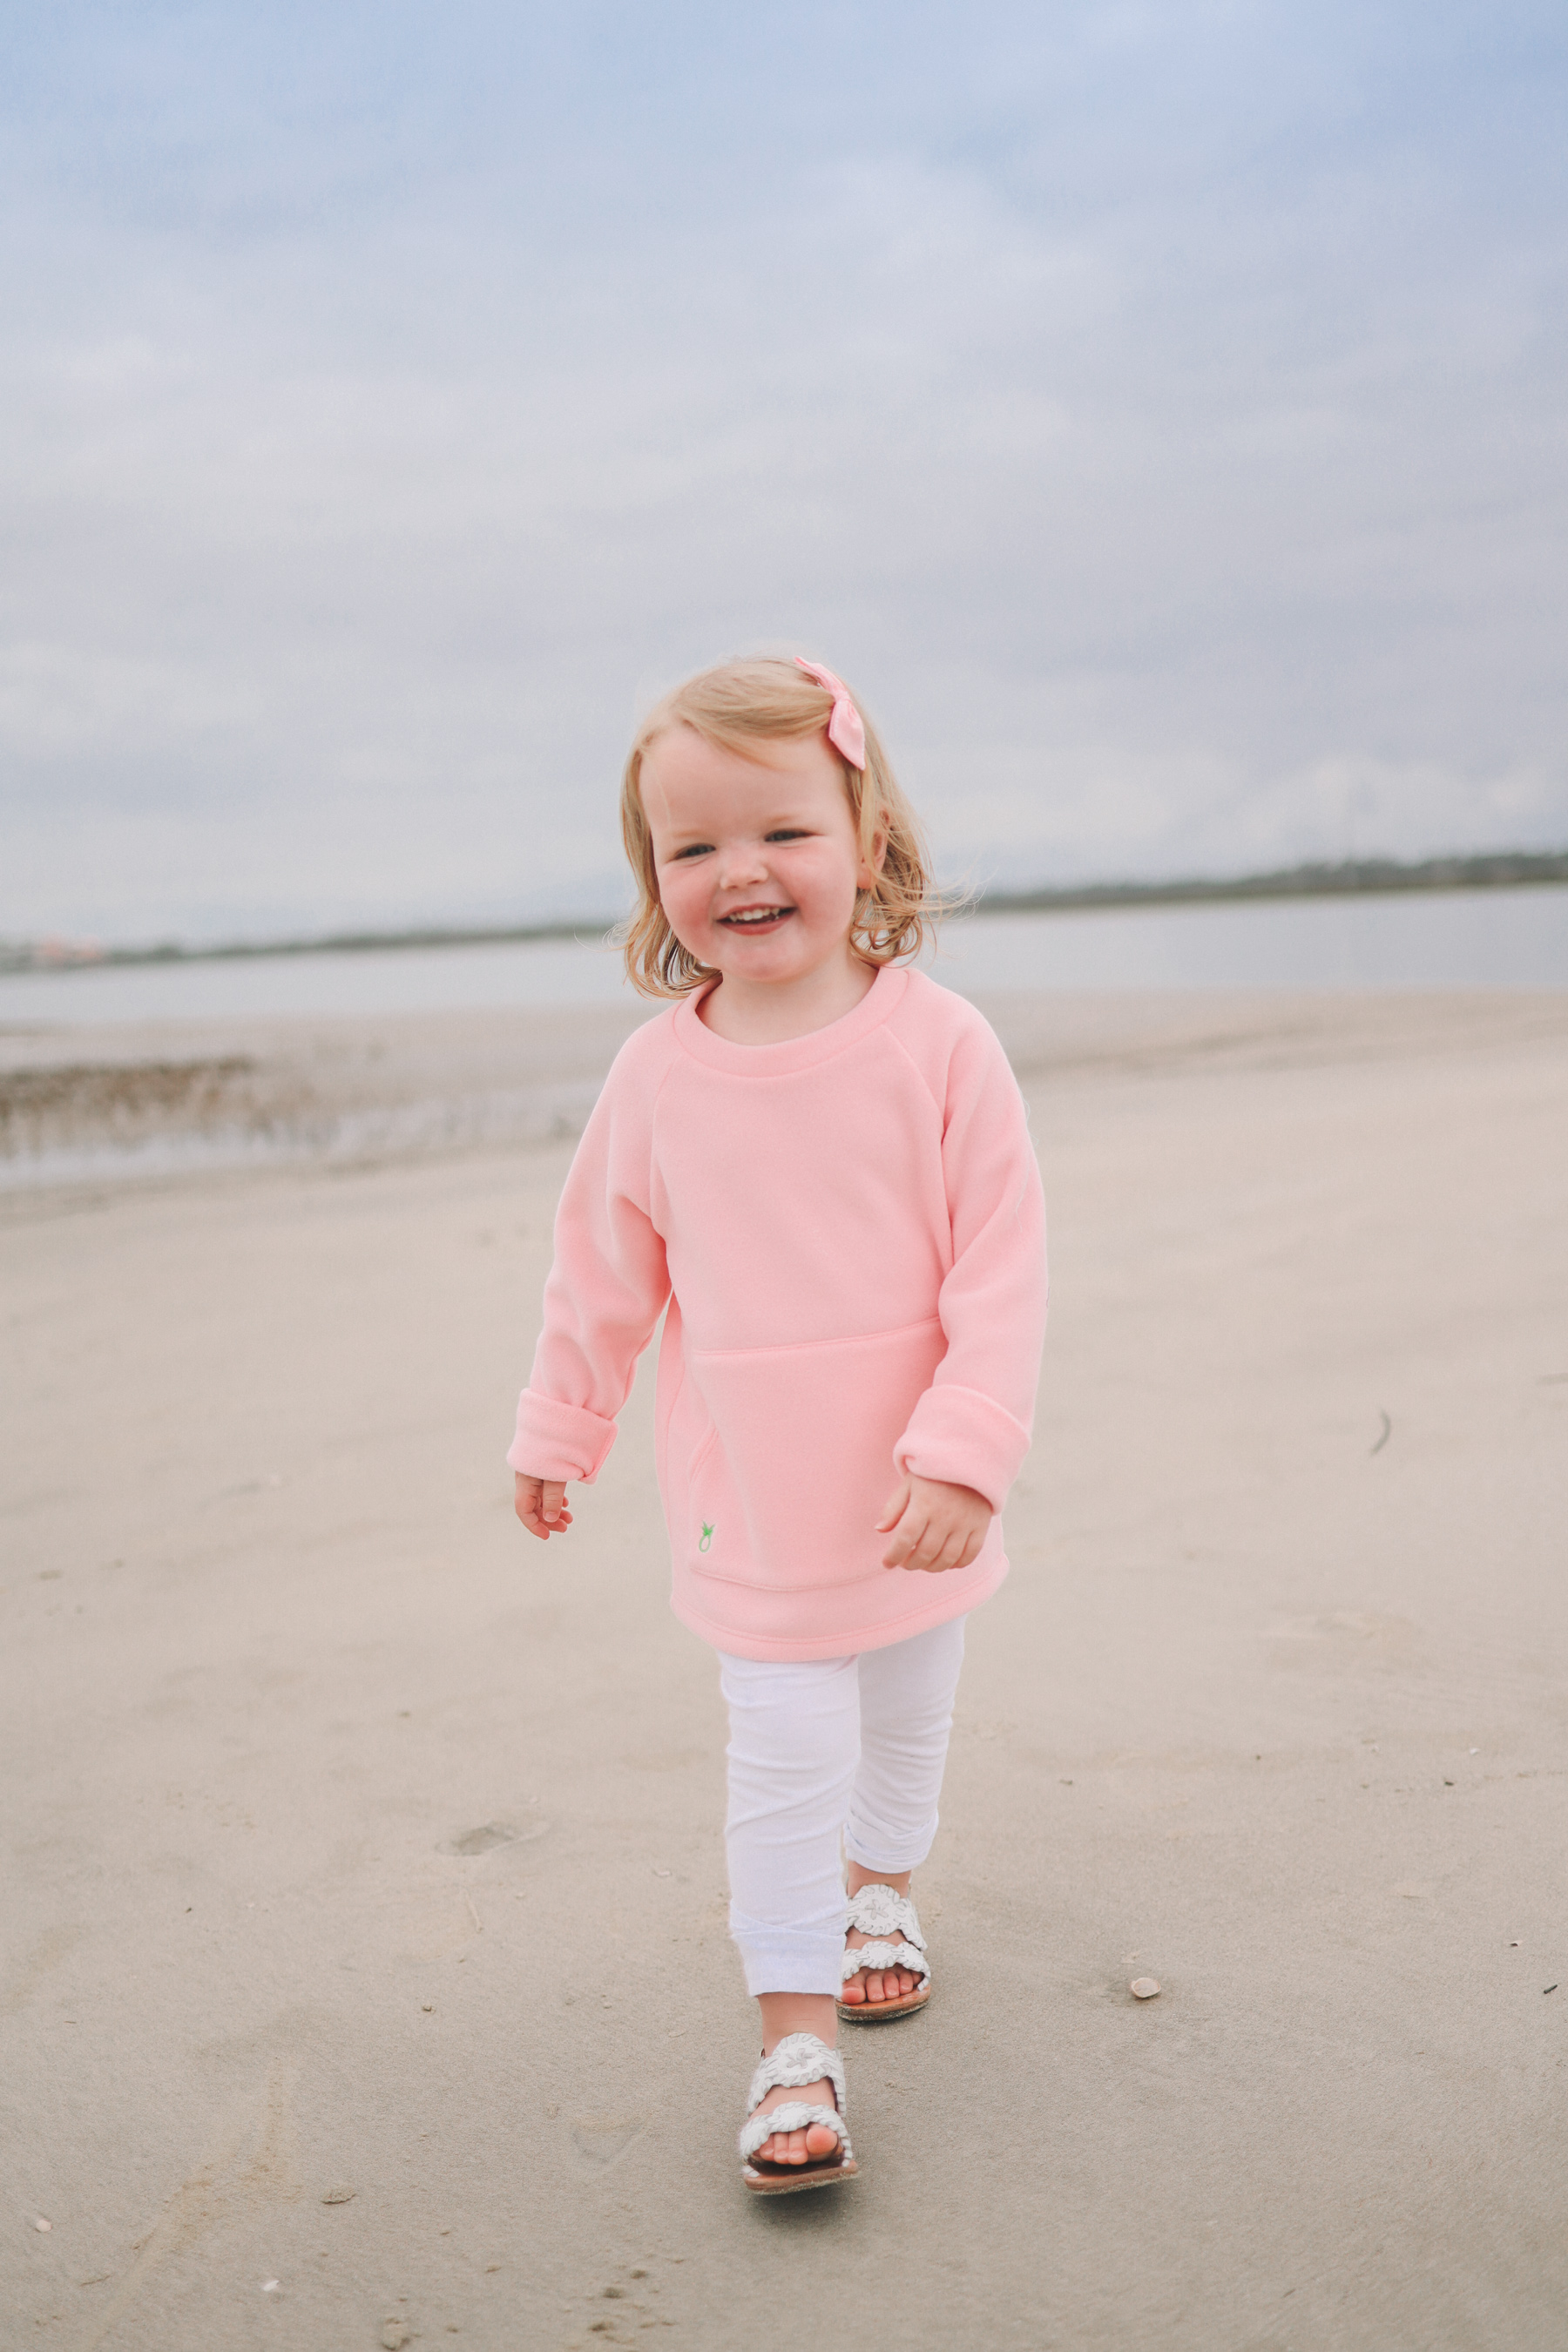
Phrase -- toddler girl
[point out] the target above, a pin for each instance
(815, 1165)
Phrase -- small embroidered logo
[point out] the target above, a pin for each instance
(705, 1539)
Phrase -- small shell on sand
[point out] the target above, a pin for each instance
(1143, 1988)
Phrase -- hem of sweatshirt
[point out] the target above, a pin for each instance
(847, 1641)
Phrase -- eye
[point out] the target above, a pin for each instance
(693, 849)
(788, 833)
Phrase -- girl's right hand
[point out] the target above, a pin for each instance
(542, 1506)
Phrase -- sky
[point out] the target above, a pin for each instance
(1156, 412)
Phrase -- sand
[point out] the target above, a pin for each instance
(365, 1978)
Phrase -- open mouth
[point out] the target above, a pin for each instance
(756, 918)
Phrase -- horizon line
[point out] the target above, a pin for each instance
(1318, 879)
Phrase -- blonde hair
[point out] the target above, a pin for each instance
(738, 704)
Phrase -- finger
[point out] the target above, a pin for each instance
(928, 1553)
(906, 1539)
(965, 1544)
(528, 1511)
(894, 1507)
(899, 1544)
(553, 1494)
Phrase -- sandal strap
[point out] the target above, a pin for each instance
(878, 1910)
(790, 2065)
(793, 2116)
(885, 1956)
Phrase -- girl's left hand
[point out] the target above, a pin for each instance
(934, 1526)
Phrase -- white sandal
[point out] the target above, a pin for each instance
(798, 2059)
(880, 1912)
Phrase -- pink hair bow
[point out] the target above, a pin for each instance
(844, 731)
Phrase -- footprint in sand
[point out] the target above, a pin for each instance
(603, 2139)
(494, 1833)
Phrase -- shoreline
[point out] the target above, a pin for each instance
(118, 1105)
(1348, 879)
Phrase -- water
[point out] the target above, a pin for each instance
(1439, 939)
(1461, 938)
(368, 981)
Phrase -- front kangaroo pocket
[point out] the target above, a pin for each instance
(787, 1491)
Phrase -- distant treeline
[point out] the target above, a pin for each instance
(1507, 869)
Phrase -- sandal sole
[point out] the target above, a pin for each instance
(818, 2177)
(880, 2012)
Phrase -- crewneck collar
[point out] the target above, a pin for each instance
(794, 1053)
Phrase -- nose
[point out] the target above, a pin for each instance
(741, 863)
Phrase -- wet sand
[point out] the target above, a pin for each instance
(365, 1976)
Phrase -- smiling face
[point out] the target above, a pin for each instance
(757, 860)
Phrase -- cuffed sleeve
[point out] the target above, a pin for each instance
(559, 1441)
(964, 1439)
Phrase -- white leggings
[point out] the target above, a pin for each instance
(834, 1745)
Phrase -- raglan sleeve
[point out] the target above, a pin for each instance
(972, 1427)
(606, 1290)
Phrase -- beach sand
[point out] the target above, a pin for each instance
(365, 1974)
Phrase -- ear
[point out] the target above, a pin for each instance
(866, 878)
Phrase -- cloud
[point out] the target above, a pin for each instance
(1155, 411)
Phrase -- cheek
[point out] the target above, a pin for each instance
(682, 896)
(827, 883)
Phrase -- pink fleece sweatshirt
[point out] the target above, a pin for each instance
(849, 1233)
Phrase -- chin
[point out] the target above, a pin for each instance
(760, 968)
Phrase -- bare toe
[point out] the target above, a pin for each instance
(820, 2141)
(854, 1988)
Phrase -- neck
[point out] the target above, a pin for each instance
(770, 1013)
